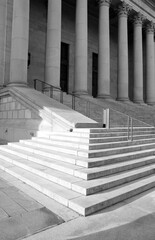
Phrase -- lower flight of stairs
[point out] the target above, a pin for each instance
(87, 169)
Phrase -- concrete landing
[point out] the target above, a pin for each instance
(133, 219)
(21, 215)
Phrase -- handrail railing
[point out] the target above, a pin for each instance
(46, 86)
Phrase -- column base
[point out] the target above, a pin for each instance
(123, 99)
(17, 84)
(80, 92)
(138, 101)
(104, 96)
(150, 103)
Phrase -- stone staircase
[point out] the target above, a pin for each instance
(87, 169)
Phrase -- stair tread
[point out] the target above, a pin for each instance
(74, 150)
(44, 169)
(76, 159)
(113, 166)
(45, 159)
(84, 202)
(50, 142)
(110, 178)
(44, 183)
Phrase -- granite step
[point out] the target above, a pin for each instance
(103, 183)
(53, 190)
(63, 158)
(28, 146)
(114, 168)
(74, 183)
(67, 167)
(94, 140)
(116, 129)
(86, 205)
(90, 146)
(55, 135)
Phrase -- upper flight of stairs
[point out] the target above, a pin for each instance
(87, 169)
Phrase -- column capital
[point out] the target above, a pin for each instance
(138, 19)
(104, 2)
(150, 27)
(123, 9)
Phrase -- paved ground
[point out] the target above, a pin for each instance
(21, 215)
(27, 214)
(133, 219)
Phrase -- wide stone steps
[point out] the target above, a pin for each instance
(50, 149)
(92, 203)
(91, 140)
(84, 205)
(83, 175)
(74, 183)
(92, 146)
(105, 133)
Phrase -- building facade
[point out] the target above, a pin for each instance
(103, 48)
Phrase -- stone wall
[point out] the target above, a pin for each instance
(16, 120)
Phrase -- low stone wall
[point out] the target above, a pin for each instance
(16, 120)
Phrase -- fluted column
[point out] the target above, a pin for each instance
(104, 50)
(138, 60)
(150, 61)
(123, 72)
(19, 43)
(3, 20)
(81, 47)
(53, 43)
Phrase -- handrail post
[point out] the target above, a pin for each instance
(51, 92)
(88, 109)
(131, 129)
(35, 84)
(106, 118)
(61, 96)
(42, 90)
(73, 102)
(128, 134)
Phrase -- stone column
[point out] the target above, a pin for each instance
(81, 47)
(104, 50)
(150, 61)
(123, 71)
(19, 43)
(53, 43)
(3, 20)
(138, 60)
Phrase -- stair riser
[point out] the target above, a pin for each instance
(57, 157)
(120, 144)
(113, 151)
(111, 171)
(46, 164)
(115, 183)
(101, 138)
(80, 153)
(73, 186)
(110, 202)
(116, 159)
(89, 147)
(77, 130)
(48, 147)
(98, 135)
(40, 173)
(91, 141)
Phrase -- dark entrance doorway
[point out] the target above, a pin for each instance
(94, 74)
(64, 67)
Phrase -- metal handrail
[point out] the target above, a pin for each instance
(53, 88)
